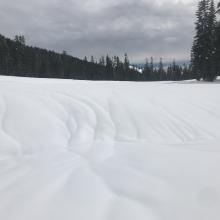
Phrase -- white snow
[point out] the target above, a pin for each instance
(77, 150)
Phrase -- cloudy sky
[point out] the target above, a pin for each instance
(142, 28)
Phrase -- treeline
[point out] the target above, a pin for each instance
(205, 54)
(173, 72)
(18, 59)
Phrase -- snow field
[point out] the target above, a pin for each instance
(109, 150)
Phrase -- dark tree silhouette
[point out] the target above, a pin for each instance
(204, 45)
(18, 59)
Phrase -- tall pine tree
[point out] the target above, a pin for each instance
(218, 43)
(204, 49)
(161, 72)
(218, 8)
(147, 71)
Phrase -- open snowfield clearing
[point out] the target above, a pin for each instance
(77, 150)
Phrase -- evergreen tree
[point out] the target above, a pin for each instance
(218, 8)
(161, 72)
(203, 49)
(126, 68)
(218, 43)
(198, 55)
(109, 68)
(218, 48)
(92, 59)
(152, 68)
(102, 61)
(211, 56)
(4, 57)
(119, 70)
(64, 53)
(169, 73)
(126, 63)
(147, 71)
(20, 39)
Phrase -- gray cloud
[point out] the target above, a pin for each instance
(139, 27)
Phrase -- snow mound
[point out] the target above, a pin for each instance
(109, 150)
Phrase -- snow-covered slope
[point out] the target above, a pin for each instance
(72, 150)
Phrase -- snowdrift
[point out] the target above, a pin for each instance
(109, 150)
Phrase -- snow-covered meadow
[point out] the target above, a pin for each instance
(78, 150)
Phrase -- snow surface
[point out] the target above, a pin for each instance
(77, 150)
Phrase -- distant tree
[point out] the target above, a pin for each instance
(102, 61)
(161, 72)
(176, 72)
(147, 71)
(92, 59)
(64, 53)
(20, 39)
(4, 56)
(126, 62)
(119, 70)
(152, 75)
(127, 75)
(186, 72)
(109, 68)
(151, 64)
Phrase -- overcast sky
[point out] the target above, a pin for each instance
(142, 28)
